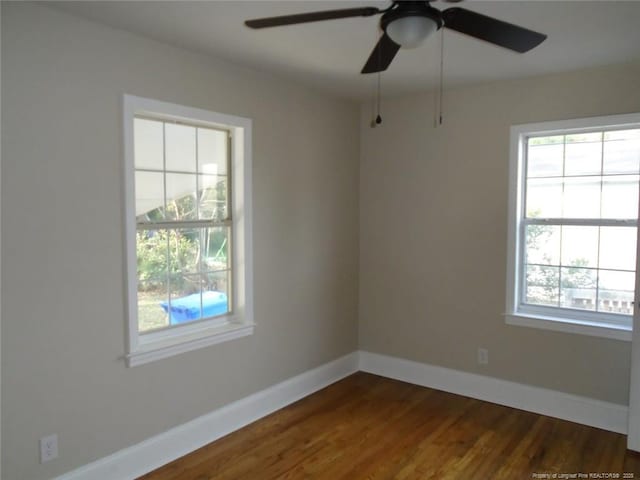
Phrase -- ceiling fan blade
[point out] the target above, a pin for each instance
(491, 30)
(311, 17)
(382, 54)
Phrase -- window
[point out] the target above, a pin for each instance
(188, 235)
(573, 225)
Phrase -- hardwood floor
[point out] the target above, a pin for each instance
(369, 427)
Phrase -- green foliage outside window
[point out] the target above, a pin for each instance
(548, 278)
(163, 253)
(160, 252)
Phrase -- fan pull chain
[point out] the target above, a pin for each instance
(378, 117)
(376, 102)
(441, 85)
(373, 110)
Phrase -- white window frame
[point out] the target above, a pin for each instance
(147, 347)
(597, 324)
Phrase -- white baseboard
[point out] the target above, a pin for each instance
(154, 452)
(587, 411)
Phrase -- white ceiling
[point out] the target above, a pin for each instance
(329, 55)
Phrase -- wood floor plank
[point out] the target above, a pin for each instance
(373, 428)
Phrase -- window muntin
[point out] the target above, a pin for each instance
(183, 222)
(573, 226)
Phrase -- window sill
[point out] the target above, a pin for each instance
(167, 347)
(580, 327)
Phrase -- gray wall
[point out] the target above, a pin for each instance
(433, 235)
(62, 247)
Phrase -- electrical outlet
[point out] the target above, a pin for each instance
(48, 448)
(483, 356)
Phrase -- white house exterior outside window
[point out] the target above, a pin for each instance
(573, 225)
(188, 228)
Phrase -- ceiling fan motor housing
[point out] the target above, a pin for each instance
(409, 10)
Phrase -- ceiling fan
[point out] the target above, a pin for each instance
(405, 24)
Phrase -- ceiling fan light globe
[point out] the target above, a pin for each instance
(411, 31)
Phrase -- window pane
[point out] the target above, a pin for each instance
(180, 147)
(579, 246)
(620, 196)
(546, 140)
(215, 301)
(544, 160)
(149, 196)
(185, 299)
(581, 197)
(148, 144)
(544, 197)
(151, 254)
(212, 151)
(543, 244)
(622, 156)
(215, 248)
(622, 134)
(184, 250)
(584, 137)
(578, 287)
(181, 196)
(218, 282)
(618, 248)
(152, 298)
(583, 158)
(213, 197)
(616, 291)
(194, 297)
(542, 285)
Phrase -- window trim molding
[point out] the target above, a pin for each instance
(144, 348)
(581, 327)
(531, 318)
